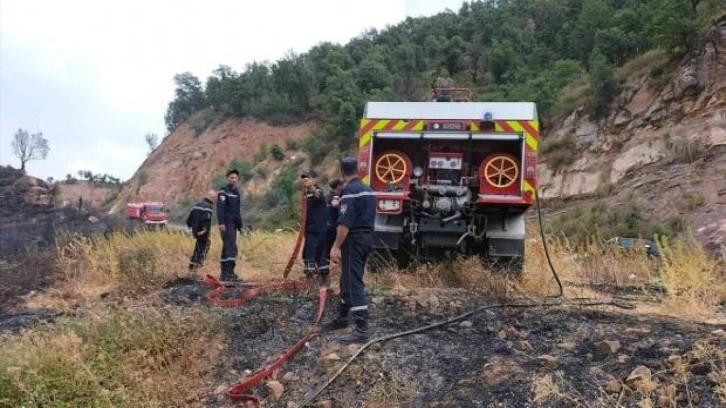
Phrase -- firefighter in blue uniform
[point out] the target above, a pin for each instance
(229, 218)
(332, 201)
(314, 256)
(200, 221)
(350, 251)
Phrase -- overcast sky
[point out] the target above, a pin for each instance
(96, 76)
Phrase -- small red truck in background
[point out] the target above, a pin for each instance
(150, 213)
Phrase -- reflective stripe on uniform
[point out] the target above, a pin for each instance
(228, 259)
(202, 209)
(358, 308)
(322, 268)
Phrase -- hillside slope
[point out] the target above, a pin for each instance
(183, 166)
(662, 149)
(655, 164)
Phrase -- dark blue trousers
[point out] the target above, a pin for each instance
(354, 254)
(314, 256)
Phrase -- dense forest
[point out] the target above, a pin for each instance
(506, 50)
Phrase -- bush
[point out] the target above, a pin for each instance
(277, 153)
(560, 152)
(313, 146)
(291, 144)
(688, 151)
(260, 154)
(244, 167)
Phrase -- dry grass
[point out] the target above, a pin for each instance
(140, 263)
(111, 358)
(643, 64)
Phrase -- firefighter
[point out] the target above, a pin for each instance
(314, 256)
(200, 221)
(230, 222)
(332, 201)
(350, 251)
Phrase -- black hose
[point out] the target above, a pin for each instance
(546, 250)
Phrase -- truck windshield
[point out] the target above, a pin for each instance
(154, 209)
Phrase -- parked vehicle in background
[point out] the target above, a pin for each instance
(152, 213)
(647, 246)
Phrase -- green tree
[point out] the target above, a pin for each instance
(602, 82)
(673, 25)
(189, 98)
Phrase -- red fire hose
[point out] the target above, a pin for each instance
(238, 392)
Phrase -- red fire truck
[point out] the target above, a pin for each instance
(152, 214)
(450, 176)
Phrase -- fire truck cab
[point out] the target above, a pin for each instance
(450, 176)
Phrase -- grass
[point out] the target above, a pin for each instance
(559, 152)
(648, 63)
(138, 355)
(110, 358)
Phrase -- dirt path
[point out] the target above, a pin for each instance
(496, 359)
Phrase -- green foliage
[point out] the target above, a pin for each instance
(178, 212)
(277, 153)
(142, 176)
(260, 154)
(560, 152)
(291, 144)
(315, 149)
(602, 82)
(508, 50)
(625, 221)
(673, 25)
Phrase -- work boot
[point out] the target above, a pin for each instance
(325, 280)
(356, 336)
(338, 323)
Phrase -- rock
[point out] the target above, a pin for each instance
(500, 370)
(522, 345)
(612, 386)
(623, 358)
(331, 357)
(513, 333)
(607, 347)
(548, 361)
(455, 308)
(220, 390)
(623, 117)
(674, 360)
(276, 389)
(502, 335)
(665, 401)
(638, 375)
(466, 324)
(567, 345)
(597, 372)
(324, 404)
(290, 377)
(352, 348)
(686, 83)
(719, 333)
(93, 219)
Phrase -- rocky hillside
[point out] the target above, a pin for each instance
(185, 164)
(663, 148)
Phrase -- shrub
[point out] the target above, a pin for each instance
(688, 151)
(560, 152)
(277, 153)
(291, 144)
(314, 148)
(260, 154)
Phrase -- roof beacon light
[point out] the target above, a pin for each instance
(488, 116)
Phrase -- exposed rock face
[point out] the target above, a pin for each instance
(658, 145)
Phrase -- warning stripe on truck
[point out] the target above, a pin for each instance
(528, 128)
